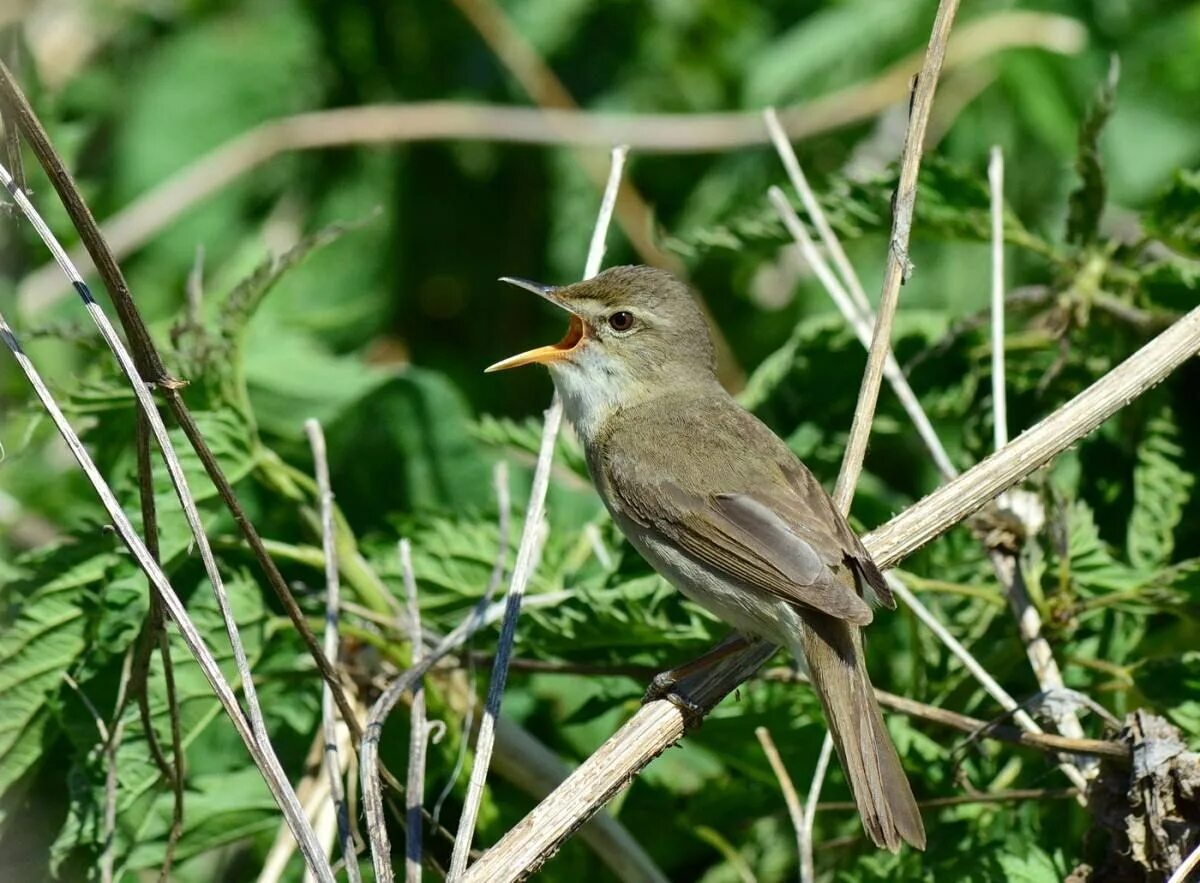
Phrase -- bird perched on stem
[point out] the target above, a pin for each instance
(722, 508)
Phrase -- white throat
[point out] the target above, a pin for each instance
(592, 387)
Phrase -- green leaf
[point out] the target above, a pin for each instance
(1086, 203)
(953, 203)
(215, 814)
(1174, 217)
(243, 302)
(43, 633)
(1094, 568)
(1161, 489)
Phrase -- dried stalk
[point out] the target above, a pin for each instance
(1191, 863)
(149, 363)
(999, 393)
(504, 506)
(858, 314)
(1006, 561)
(790, 798)
(329, 728)
(414, 791)
(660, 724)
(898, 266)
(139, 222)
(1117, 752)
(276, 781)
(526, 554)
(807, 866)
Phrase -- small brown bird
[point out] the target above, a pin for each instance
(722, 508)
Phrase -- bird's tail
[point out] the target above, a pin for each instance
(834, 653)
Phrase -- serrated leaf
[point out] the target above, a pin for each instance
(1094, 568)
(1086, 203)
(953, 203)
(1161, 489)
(213, 752)
(241, 304)
(1174, 217)
(43, 633)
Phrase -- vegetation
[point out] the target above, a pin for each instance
(355, 285)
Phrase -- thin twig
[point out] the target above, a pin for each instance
(526, 554)
(186, 501)
(1191, 863)
(1013, 795)
(898, 266)
(981, 729)
(504, 508)
(141, 220)
(790, 797)
(329, 728)
(861, 321)
(657, 725)
(276, 781)
(999, 394)
(149, 363)
(414, 791)
(807, 873)
(1006, 561)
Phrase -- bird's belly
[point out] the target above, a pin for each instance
(748, 610)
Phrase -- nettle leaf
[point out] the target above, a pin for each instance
(242, 303)
(953, 203)
(43, 633)
(1086, 203)
(1174, 217)
(1161, 489)
(1094, 567)
(1172, 683)
(215, 813)
(526, 436)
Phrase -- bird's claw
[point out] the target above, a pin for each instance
(663, 687)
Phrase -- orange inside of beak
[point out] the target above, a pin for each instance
(545, 354)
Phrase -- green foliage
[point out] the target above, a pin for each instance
(357, 286)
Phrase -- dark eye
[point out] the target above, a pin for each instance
(620, 321)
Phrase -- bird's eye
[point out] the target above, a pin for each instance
(620, 321)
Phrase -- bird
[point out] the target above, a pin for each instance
(722, 508)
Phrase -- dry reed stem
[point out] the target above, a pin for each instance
(266, 754)
(898, 266)
(532, 535)
(329, 729)
(790, 798)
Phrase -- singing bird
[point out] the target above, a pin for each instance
(721, 507)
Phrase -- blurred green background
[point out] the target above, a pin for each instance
(382, 329)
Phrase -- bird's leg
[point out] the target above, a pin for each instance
(664, 681)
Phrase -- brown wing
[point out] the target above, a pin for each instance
(761, 519)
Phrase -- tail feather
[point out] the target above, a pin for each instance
(833, 651)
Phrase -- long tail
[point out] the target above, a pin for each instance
(834, 652)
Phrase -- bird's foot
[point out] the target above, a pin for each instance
(663, 687)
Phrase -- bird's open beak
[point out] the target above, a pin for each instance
(544, 354)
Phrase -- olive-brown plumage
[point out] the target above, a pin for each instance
(720, 506)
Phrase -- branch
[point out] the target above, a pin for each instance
(329, 729)
(898, 266)
(276, 781)
(657, 725)
(303, 831)
(532, 535)
(150, 364)
(790, 797)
